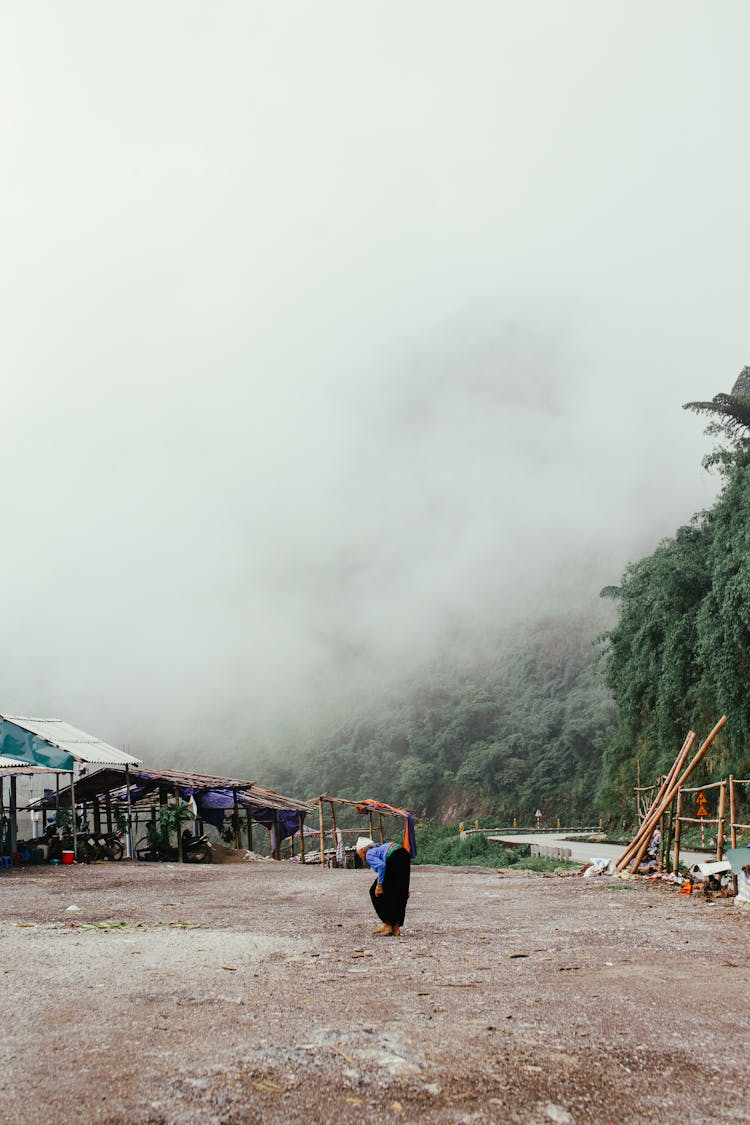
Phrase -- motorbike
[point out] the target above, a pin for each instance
(103, 846)
(195, 849)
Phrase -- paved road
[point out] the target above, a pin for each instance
(584, 850)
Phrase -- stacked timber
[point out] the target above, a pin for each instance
(674, 781)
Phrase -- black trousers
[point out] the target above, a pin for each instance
(390, 907)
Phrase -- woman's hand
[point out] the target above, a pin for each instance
(379, 889)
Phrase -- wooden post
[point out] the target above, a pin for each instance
(179, 827)
(380, 826)
(108, 805)
(372, 825)
(720, 826)
(249, 830)
(322, 834)
(128, 822)
(13, 811)
(276, 851)
(732, 812)
(73, 810)
(335, 839)
(236, 821)
(677, 832)
(301, 822)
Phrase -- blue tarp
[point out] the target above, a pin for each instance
(27, 747)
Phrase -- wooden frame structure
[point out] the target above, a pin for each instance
(733, 823)
(679, 819)
(326, 799)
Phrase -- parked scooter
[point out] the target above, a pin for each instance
(195, 849)
(103, 846)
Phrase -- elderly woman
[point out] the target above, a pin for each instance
(392, 866)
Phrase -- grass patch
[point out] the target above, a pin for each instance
(436, 844)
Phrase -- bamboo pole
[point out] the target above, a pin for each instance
(179, 826)
(13, 811)
(301, 822)
(699, 756)
(322, 833)
(647, 824)
(732, 812)
(677, 832)
(73, 810)
(335, 838)
(720, 831)
(236, 821)
(129, 833)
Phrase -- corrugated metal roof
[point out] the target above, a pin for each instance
(15, 765)
(110, 780)
(81, 746)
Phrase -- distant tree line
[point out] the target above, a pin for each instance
(522, 729)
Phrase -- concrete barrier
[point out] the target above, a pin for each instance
(548, 851)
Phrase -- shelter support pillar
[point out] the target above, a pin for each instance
(179, 826)
(13, 810)
(335, 837)
(236, 822)
(249, 830)
(129, 831)
(73, 811)
(322, 834)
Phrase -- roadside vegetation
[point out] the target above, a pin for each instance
(441, 845)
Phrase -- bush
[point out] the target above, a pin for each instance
(444, 846)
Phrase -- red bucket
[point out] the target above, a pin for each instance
(68, 857)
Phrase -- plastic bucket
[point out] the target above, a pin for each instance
(68, 857)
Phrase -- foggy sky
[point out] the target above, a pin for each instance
(333, 330)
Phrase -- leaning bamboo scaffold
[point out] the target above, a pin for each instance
(673, 783)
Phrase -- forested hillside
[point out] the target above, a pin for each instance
(520, 729)
(550, 719)
(679, 656)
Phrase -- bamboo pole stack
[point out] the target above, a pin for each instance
(674, 781)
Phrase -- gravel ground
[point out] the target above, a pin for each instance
(239, 993)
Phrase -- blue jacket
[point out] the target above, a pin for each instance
(376, 859)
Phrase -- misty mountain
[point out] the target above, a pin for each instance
(522, 726)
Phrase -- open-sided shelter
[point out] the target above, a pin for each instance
(54, 746)
(369, 808)
(214, 796)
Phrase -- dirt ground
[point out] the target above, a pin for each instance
(240, 993)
